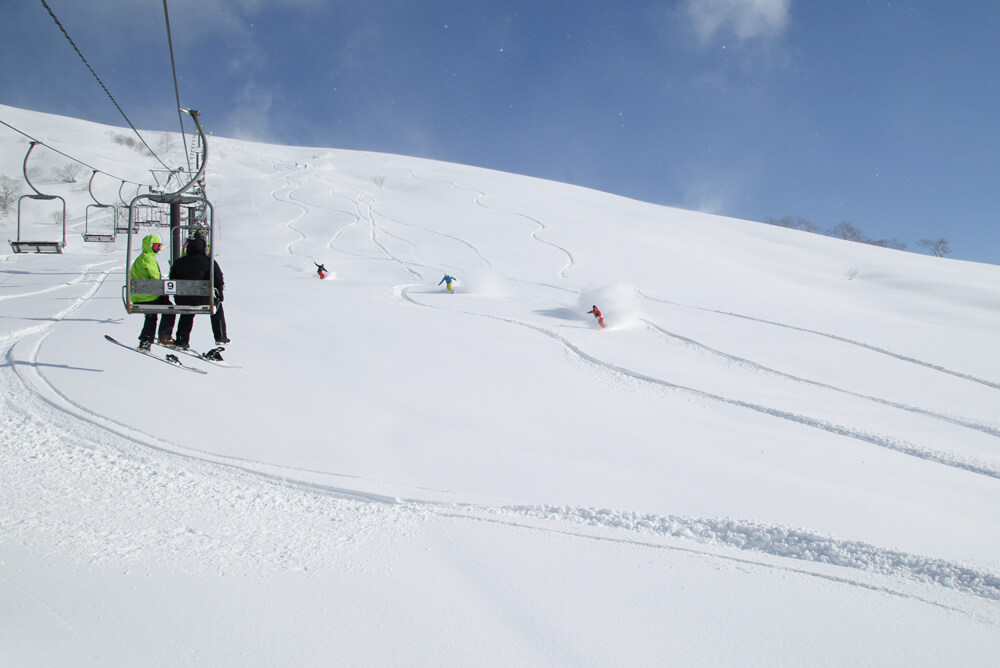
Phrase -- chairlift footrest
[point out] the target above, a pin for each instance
(50, 247)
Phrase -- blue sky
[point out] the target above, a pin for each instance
(880, 113)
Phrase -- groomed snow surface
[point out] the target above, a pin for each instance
(783, 451)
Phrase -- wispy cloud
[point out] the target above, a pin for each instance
(742, 20)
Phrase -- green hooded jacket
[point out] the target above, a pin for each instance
(146, 266)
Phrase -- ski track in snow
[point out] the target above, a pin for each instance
(303, 210)
(834, 337)
(289, 185)
(539, 225)
(53, 440)
(365, 203)
(742, 361)
(63, 440)
(73, 281)
(442, 235)
(777, 541)
(224, 512)
(143, 466)
(311, 205)
(882, 441)
(10, 337)
(353, 214)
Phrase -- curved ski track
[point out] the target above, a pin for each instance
(962, 422)
(148, 468)
(839, 430)
(841, 339)
(539, 225)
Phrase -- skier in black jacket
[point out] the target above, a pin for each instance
(195, 265)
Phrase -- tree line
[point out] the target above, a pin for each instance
(845, 230)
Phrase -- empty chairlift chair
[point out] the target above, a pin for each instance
(93, 233)
(23, 245)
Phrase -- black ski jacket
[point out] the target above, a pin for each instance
(195, 266)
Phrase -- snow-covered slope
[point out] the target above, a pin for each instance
(782, 451)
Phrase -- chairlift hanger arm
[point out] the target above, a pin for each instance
(24, 168)
(194, 114)
(90, 188)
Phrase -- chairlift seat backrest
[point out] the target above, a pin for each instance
(166, 286)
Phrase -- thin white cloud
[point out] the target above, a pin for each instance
(742, 20)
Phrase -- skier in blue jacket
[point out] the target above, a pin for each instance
(448, 280)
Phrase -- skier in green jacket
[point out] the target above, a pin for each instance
(147, 266)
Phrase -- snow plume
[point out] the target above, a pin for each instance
(481, 282)
(252, 117)
(743, 19)
(618, 302)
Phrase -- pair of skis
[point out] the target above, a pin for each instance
(172, 359)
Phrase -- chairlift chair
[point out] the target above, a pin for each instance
(148, 215)
(21, 245)
(88, 234)
(166, 286)
(178, 231)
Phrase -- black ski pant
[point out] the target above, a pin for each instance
(219, 323)
(186, 322)
(149, 324)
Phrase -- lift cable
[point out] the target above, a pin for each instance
(115, 102)
(177, 92)
(66, 155)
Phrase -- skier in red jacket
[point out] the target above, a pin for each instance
(596, 312)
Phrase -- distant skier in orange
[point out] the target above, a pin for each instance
(596, 312)
(320, 269)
